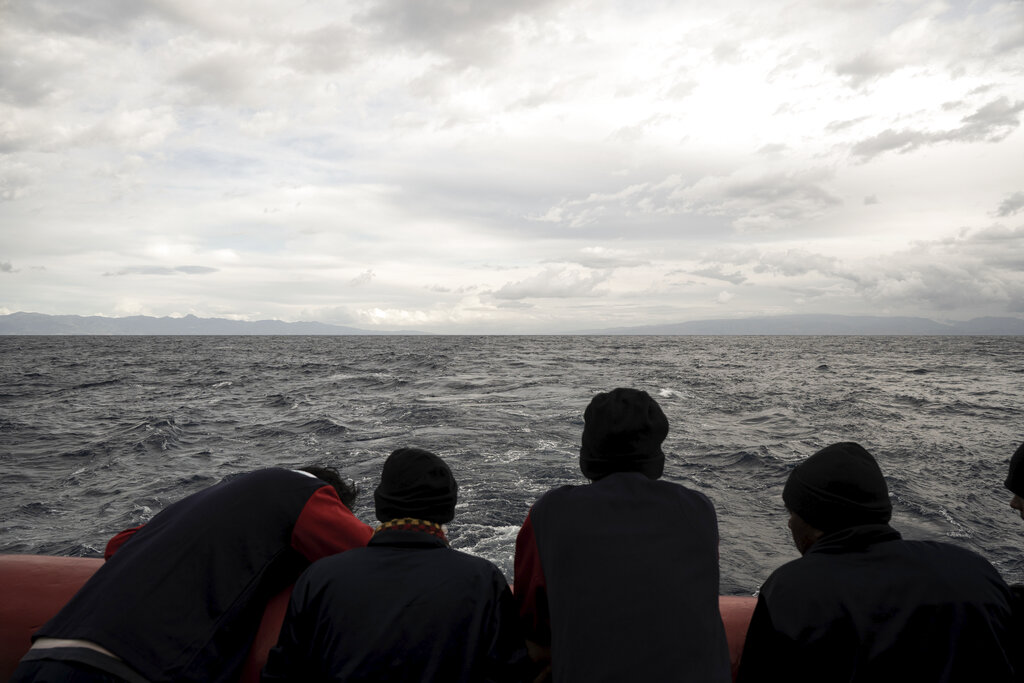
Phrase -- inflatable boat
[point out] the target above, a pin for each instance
(34, 587)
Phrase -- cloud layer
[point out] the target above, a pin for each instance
(526, 166)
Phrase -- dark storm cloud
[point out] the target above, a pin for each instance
(990, 123)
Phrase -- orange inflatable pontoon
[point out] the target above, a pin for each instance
(34, 587)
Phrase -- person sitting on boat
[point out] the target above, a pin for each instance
(181, 598)
(407, 607)
(1015, 480)
(617, 579)
(862, 604)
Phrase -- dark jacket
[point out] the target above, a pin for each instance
(405, 608)
(182, 597)
(620, 578)
(864, 605)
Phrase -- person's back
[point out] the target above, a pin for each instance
(407, 607)
(862, 604)
(619, 577)
(631, 570)
(181, 599)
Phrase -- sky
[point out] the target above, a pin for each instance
(523, 166)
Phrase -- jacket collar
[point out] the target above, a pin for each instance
(854, 538)
(404, 538)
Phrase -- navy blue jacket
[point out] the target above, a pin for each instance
(620, 578)
(405, 608)
(864, 605)
(181, 598)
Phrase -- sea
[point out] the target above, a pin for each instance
(98, 434)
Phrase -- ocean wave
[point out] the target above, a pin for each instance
(507, 415)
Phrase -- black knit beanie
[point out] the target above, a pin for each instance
(1015, 479)
(622, 432)
(416, 483)
(838, 487)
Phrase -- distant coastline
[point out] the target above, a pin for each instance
(783, 325)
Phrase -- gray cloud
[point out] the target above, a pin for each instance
(866, 67)
(977, 271)
(93, 18)
(362, 279)
(223, 77)
(990, 123)
(15, 177)
(554, 283)
(162, 270)
(717, 273)
(324, 50)
(794, 262)
(763, 202)
(983, 269)
(1011, 205)
(466, 32)
(196, 270)
(598, 259)
(24, 85)
(838, 126)
(6, 267)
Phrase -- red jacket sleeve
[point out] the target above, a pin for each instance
(531, 588)
(326, 527)
(114, 544)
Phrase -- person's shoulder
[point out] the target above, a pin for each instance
(333, 564)
(684, 493)
(680, 489)
(557, 493)
(798, 579)
(271, 473)
(475, 565)
(945, 556)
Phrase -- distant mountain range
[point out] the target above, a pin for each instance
(817, 325)
(40, 324)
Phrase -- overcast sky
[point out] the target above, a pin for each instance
(511, 166)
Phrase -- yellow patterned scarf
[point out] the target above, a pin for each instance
(413, 524)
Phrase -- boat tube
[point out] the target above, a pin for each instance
(33, 588)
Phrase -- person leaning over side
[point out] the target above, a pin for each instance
(1015, 480)
(862, 604)
(1015, 483)
(617, 580)
(181, 598)
(407, 607)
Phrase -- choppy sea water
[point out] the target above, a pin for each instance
(100, 433)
